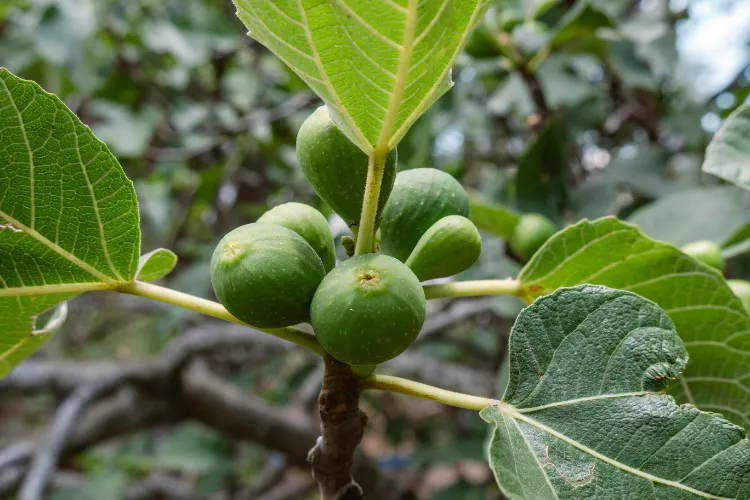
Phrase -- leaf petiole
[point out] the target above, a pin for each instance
(216, 310)
(424, 391)
(366, 233)
(474, 289)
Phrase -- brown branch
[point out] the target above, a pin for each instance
(342, 427)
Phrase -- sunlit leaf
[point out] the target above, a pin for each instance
(68, 214)
(378, 65)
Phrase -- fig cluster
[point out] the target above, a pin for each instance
(281, 270)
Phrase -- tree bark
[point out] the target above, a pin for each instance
(342, 427)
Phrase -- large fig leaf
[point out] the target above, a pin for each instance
(728, 155)
(709, 317)
(68, 215)
(582, 416)
(378, 65)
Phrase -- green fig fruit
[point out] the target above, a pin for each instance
(741, 289)
(266, 275)
(451, 246)
(707, 252)
(368, 310)
(419, 199)
(308, 223)
(336, 168)
(530, 233)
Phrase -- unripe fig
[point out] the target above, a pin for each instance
(420, 198)
(368, 310)
(707, 252)
(266, 275)
(336, 168)
(308, 223)
(741, 289)
(530, 233)
(451, 246)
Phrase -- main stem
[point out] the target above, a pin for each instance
(216, 310)
(342, 425)
(367, 221)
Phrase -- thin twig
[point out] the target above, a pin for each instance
(45, 460)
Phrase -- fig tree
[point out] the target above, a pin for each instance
(368, 310)
(420, 198)
(450, 246)
(308, 223)
(707, 252)
(336, 168)
(266, 275)
(530, 233)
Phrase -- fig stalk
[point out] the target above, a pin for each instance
(367, 222)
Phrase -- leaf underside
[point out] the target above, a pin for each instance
(581, 417)
(378, 65)
(728, 154)
(68, 215)
(709, 318)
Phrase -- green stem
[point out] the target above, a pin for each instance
(737, 249)
(474, 289)
(366, 234)
(424, 391)
(216, 310)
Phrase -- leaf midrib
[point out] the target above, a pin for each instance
(59, 250)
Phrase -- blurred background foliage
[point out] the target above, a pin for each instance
(573, 109)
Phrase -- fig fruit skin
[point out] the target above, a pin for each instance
(451, 246)
(706, 252)
(308, 223)
(741, 289)
(419, 199)
(530, 233)
(337, 169)
(368, 310)
(266, 275)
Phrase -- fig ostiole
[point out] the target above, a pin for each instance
(308, 223)
(450, 246)
(741, 289)
(337, 169)
(266, 275)
(707, 252)
(530, 233)
(368, 310)
(419, 199)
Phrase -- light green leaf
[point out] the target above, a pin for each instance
(728, 154)
(582, 416)
(692, 215)
(155, 265)
(494, 219)
(378, 65)
(68, 214)
(709, 317)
